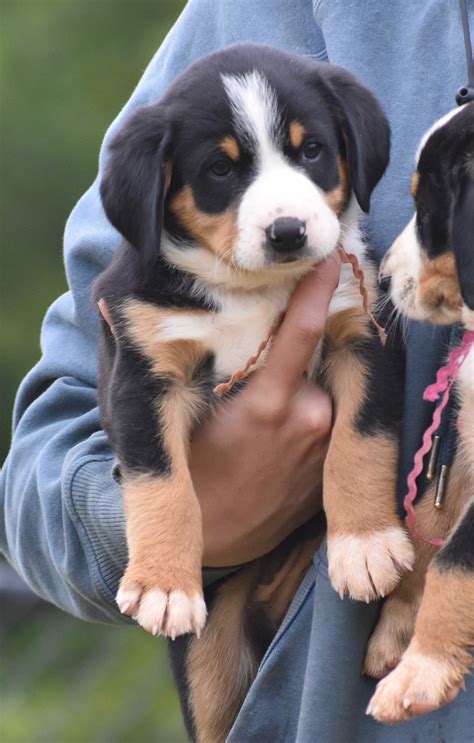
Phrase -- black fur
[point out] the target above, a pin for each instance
(445, 196)
(459, 551)
(382, 409)
(138, 188)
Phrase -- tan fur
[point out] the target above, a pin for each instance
(164, 533)
(445, 623)
(297, 133)
(369, 460)
(438, 656)
(230, 147)
(396, 625)
(439, 283)
(347, 325)
(220, 667)
(337, 198)
(415, 182)
(175, 359)
(216, 232)
(279, 593)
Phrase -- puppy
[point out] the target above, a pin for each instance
(431, 265)
(254, 166)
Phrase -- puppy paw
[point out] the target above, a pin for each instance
(369, 567)
(167, 612)
(418, 685)
(390, 637)
(384, 651)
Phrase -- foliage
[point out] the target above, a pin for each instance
(65, 681)
(67, 67)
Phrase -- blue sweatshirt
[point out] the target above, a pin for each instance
(63, 526)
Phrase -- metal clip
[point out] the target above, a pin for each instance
(441, 486)
(431, 471)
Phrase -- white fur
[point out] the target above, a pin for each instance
(437, 125)
(403, 264)
(369, 567)
(280, 189)
(248, 303)
(184, 614)
(418, 679)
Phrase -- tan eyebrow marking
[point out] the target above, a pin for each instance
(297, 133)
(415, 182)
(230, 147)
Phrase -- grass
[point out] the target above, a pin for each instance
(65, 681)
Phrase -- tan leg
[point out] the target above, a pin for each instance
(396, 625)
(161, 587)
(368, 549)
(438, 657)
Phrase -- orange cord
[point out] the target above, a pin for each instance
(225, 387)
(221, 389)
(359, 274)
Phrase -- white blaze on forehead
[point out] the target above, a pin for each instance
(255, 109)
(437, 125)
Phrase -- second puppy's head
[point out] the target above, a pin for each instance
(250, 160)
(431, 263)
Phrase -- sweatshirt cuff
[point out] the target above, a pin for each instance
(96, 507)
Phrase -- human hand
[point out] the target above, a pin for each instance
(257, 463)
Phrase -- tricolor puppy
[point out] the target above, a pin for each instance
(253, 167)
(431, 265)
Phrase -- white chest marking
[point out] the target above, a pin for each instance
(234, 332)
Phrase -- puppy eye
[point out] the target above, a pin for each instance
(221, 167)
(311, 150)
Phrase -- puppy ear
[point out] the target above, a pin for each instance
(365, 129)
(463, 238)
(134, 185)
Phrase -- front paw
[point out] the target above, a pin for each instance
(161, 609)
(368, 567)
(420, 684)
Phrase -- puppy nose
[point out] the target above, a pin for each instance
(286, 234)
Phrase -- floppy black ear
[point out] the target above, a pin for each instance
(463, 238)
(133, 186)
(366, 132)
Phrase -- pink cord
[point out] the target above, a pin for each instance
(445, 379)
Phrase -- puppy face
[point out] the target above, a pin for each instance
(431, 263)
(250, 159)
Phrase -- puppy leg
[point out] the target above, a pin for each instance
(439, 655)
(368, 548)
(396, 625)
(162, 584)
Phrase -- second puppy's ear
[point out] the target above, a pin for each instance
(463, 238)
(133, 186)
(365, 129)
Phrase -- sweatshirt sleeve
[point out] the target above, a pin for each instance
(63, 526)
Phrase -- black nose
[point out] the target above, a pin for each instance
(286, 234)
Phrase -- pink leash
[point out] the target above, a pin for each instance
(445, 379)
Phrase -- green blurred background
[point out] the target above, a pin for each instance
(67, 67)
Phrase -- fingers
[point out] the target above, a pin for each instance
(301, 329)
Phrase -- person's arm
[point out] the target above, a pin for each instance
(63, 525)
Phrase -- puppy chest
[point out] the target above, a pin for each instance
(233, 333)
